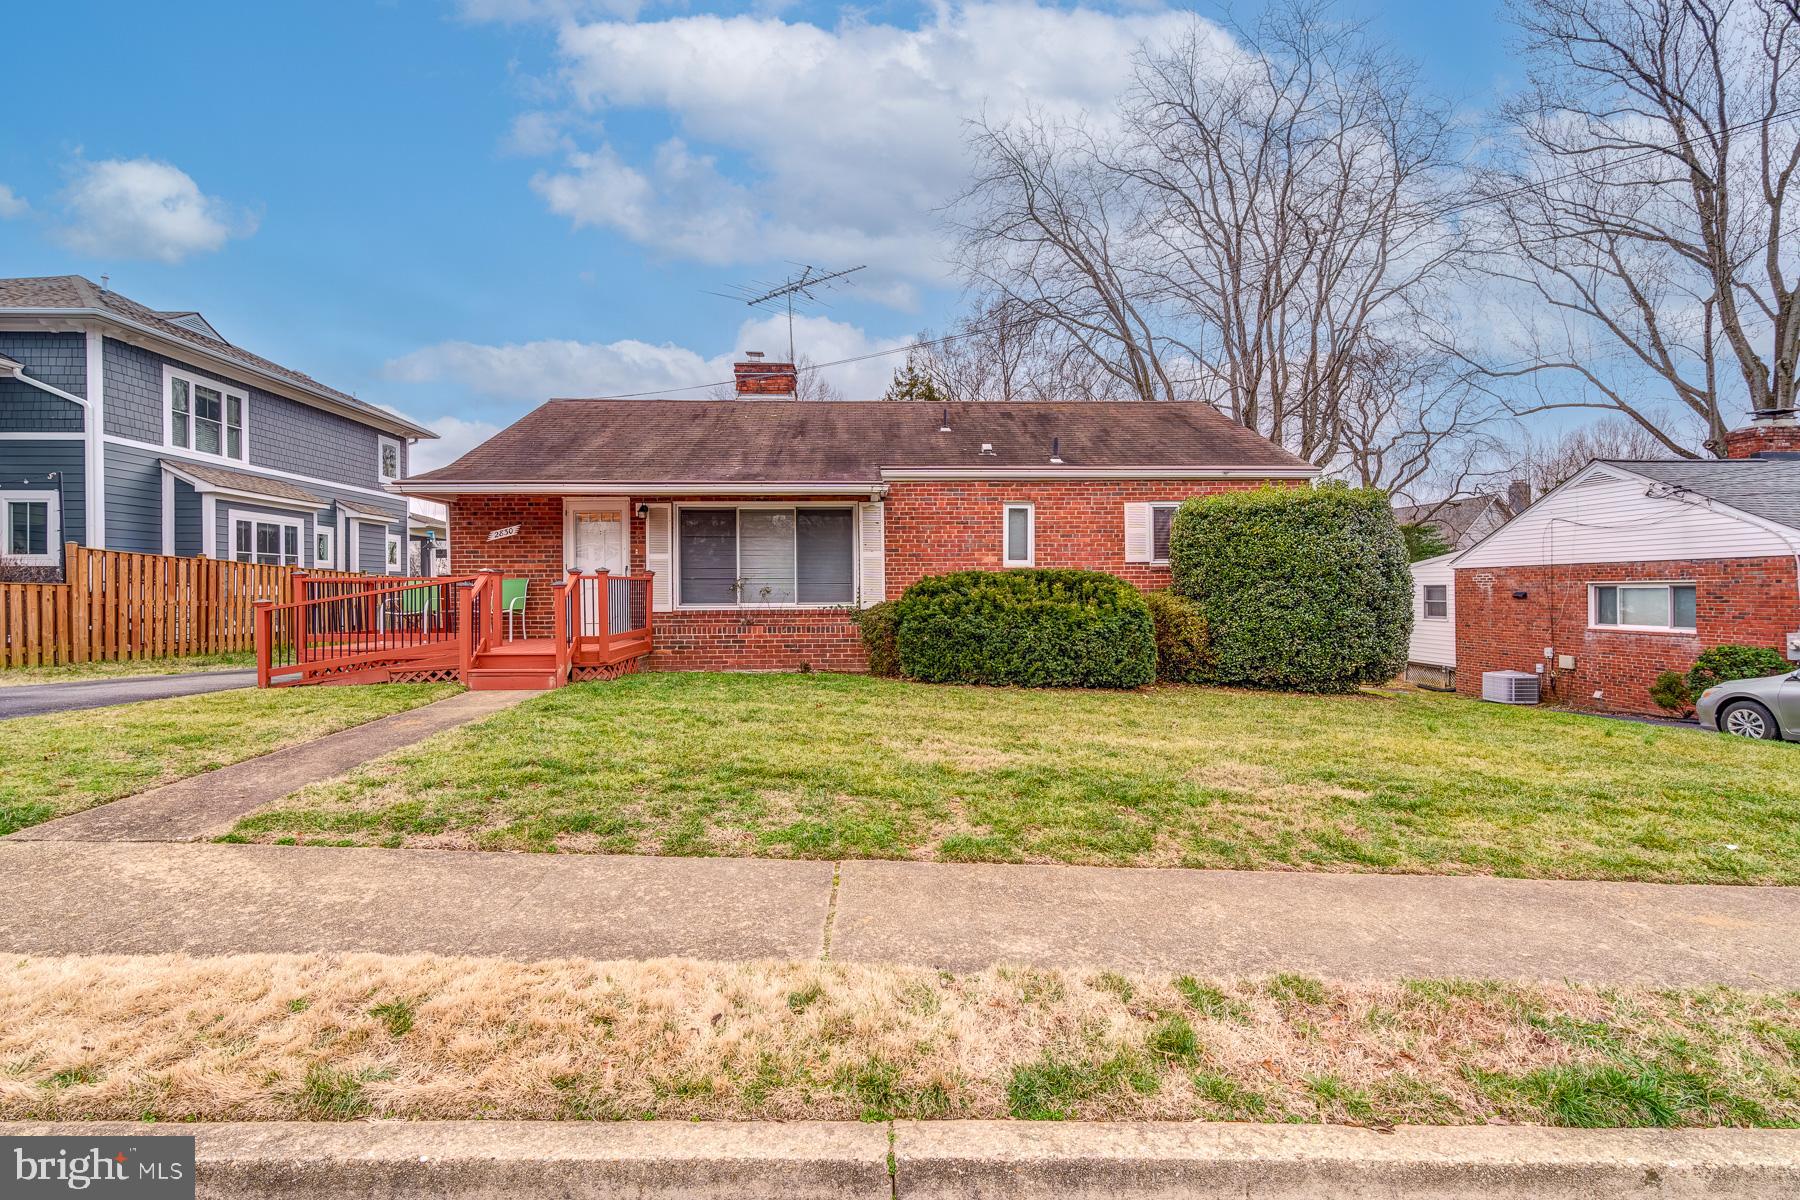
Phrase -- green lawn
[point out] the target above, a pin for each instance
(18, 676)
(823, 766)
(56, 765)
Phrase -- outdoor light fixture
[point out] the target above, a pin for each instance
(643, 511)
(1520, 595)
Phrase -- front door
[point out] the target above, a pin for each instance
(597, 542)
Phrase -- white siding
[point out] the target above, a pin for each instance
(1609, 517)
(1433, 638)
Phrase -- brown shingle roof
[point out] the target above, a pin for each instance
(756, 441)
(243, 481)
(78, 292)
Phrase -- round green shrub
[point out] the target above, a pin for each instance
(1029, 628)
(1723, 663)
(1671, 693)
(1303, 589)
(1182, 649)
(880, 624)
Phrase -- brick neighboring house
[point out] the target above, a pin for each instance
(1633, 568)
(766, 522)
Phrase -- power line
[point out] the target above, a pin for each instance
(1418, 219)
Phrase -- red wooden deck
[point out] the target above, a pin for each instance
(429, 630)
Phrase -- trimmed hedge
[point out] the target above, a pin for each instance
(880, 625)
(1028, 628)
(1302, 589)
(1183, 652)
(1722, 664)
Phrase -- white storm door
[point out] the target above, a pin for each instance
(596, 541)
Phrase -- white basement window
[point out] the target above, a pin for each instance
(1019, 534)
(765, 556)
(31, 525)
(1650, 607)
(1437, 601)
(272, 541)
(205, 416)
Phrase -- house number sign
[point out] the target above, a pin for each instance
(499, 534)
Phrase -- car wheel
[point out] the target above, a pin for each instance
(1747, 718)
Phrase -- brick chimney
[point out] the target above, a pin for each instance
(1764, 437)
(1518, 497)
(758, 378)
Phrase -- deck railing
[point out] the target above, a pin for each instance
(609, 616)
(338, 627)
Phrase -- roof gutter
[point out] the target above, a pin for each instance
(921, 474)
(394, 423)
(634, 488)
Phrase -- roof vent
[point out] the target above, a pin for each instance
(944, 425)
(1056, 451)
(987, 447)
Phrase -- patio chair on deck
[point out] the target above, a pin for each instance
(512, 602)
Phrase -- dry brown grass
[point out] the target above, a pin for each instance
(315, 1037)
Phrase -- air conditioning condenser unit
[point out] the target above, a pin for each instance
(1509, 687)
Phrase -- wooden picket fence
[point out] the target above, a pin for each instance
(119, 607)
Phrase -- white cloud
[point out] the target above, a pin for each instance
(142, 208)
(456, 437)
(534, 134)
(843, 143)
(11, 204)
(523, 374)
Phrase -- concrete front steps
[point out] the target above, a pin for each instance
(525, 665)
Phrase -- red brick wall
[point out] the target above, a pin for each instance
(535, 552)
(1744, 600)
(937, 527)
(1763, 435)
(931, 528)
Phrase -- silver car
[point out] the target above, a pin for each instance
(1760, 708)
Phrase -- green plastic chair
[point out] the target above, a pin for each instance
(419, 602)
(512, 602)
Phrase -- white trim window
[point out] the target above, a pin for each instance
(1435, 604)
(31, 528)
(396, 561)
(765, 556)
(263, 538)
(1643, 607)
(205, 417)
(1018, 536)
(388, 459)
(324, 545)
(1162, 519)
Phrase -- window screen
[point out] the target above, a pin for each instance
(1161, 517)
(825, 545)
(1437, 600)
(766, 555)
(708, 538)
(1018, 534)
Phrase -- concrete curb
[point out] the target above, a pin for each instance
(967, 1160)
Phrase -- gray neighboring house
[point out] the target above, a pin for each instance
(123, 427)
(1462, 523)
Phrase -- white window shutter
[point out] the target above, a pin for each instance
(1137, 533)
(659, 556)
(872, 556)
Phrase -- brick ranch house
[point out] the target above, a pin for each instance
(1630, 569)
(766, 522)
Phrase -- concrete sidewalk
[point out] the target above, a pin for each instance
(210, 804)
(959, 1160)
(103, 898)
(36, 699)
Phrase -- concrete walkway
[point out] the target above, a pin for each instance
(36, 699)
(100, 898)
(210, 804)
(952, 1160)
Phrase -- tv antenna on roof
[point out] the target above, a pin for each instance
(805, 284)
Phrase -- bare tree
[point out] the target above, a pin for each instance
(1412, 425)
(1289, 187)
(1546, 462)
(1646, 209)
(810, 382)
(1258, 227)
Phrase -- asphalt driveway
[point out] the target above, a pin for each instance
(36, 699)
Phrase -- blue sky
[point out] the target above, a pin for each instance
(458, 207)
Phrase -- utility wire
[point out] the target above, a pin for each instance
(1418, 220)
